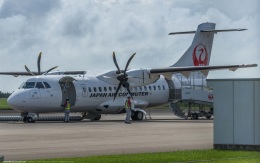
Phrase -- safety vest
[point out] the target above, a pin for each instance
(67, 106)
(127, 104)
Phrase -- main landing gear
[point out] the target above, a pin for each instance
(137, 115)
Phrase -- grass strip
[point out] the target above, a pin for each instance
(219, 156)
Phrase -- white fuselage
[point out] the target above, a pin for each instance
(86, 93)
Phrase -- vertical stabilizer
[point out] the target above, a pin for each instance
(198, 54)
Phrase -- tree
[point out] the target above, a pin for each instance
(4, 95)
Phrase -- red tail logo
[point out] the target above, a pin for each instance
(210, 96)
(200, 56)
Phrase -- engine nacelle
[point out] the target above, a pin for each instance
(141, 77)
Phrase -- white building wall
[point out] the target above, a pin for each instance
(236, 111)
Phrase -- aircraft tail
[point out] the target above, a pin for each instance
(199, 53)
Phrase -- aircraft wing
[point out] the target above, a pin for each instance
(18, 73)
(186, 70)
(25, 73)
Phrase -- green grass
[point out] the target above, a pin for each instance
(3, 104)
(219, 156)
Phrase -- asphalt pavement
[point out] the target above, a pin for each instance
(110, 135)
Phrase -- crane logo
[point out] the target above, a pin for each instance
(210, 96)
(200, 55)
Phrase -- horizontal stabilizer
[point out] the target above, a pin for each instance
(223, 30)
(185, 32)
(213, 30)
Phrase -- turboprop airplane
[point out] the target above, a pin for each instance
(106, 93)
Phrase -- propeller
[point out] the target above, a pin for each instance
(39, 67)
(122, 77)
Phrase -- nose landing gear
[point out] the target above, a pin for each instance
(29, 117)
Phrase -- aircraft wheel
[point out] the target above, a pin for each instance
(97, 117)
(138, 115)
(30, 120)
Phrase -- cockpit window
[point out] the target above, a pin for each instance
(28, 85)
(39, 85)
(21, 86)
(46, 85)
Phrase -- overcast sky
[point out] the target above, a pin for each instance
(81, 35)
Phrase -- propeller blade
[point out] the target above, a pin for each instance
(114, 59)
(119, 86)
(128, 90)
(39, 63)
(51, 69)
(122, 77)
(27, 69)
(128, 62)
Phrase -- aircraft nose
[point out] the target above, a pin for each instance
(13, 101)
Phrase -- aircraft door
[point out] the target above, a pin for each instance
(68, 89)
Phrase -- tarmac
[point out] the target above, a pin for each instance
(164, 132)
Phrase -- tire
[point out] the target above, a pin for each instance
(138, 116)
(208, 116)
(30, 120)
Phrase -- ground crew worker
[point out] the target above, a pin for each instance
(128, 107)
(67, 110)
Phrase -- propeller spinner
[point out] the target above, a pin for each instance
(38, 66)
(122, 77)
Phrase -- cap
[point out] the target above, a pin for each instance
(128, 96)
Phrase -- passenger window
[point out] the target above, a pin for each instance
(135, 88)
(150, 88)
(115, 88)
(154, 87)
(46, 85)
(29, 85)
(95, 89)
(163, 87)
(145, 88)
(110, 88)
(140, 88)
(89, 89)
(105, 89)
(39, 85)
(99, 88)
(159, 87)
